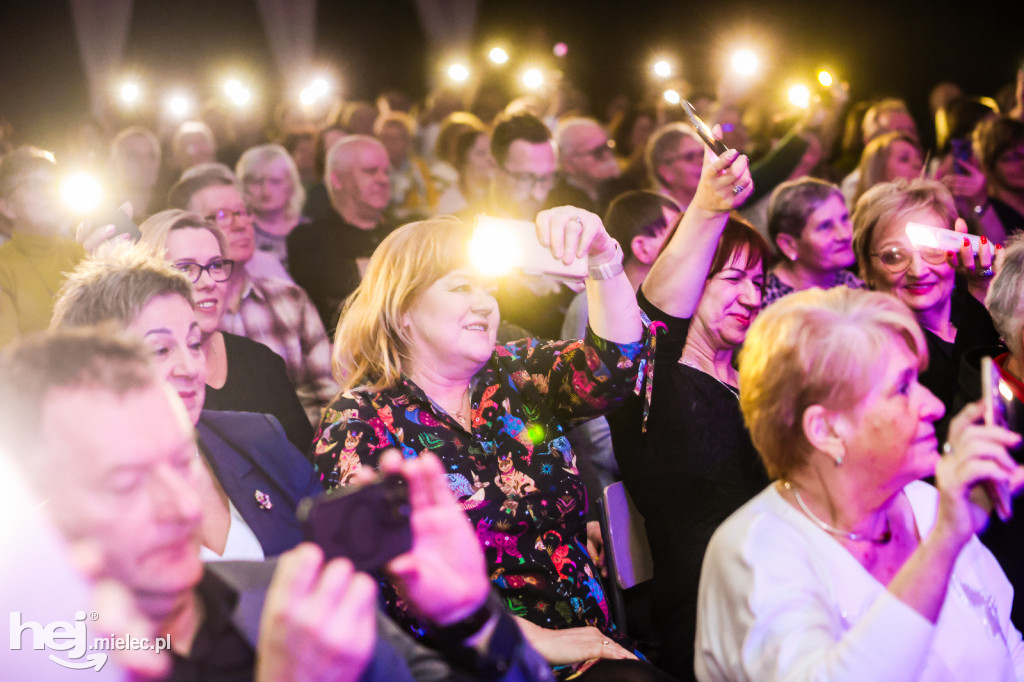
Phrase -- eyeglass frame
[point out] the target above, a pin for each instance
(227, 221)
(208, 268)
(602, 151)
(926, 254)
(534, 180)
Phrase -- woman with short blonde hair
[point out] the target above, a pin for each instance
(848, 567)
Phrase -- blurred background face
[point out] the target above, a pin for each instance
(224, 205)
(480, 162)
(681, 170)
(195, 148)
(34, 206)
(1010, 169)
(592, 159)
(904, 161)
(825, 242)
(396, 141)
(268, 187)
(522, 185)
(365, 181)
(196, 245)
(138, 162)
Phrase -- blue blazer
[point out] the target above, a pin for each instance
(250, 454)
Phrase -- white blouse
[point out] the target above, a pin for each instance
(781, 599)
(242, 544)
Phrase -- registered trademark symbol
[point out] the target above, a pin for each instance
(93, 615)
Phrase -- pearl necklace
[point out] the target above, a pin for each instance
(883, 539)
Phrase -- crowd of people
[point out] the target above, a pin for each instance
(760, 351)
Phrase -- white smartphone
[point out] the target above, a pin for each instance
(941, 239)
(500, 246)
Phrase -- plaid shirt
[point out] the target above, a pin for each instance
(279, 315)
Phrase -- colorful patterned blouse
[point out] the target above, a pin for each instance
(514, 473)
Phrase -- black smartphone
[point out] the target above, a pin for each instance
(961, 152)
(717, 146)
(122, 222)
(368, 525)
(1001, 409)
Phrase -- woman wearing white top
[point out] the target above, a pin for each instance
(847, 567)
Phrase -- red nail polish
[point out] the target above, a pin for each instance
(983, 240)
(967, 242)
(999, 246)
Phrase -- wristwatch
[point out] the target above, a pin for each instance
(609, 269)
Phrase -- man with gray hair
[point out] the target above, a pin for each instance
(261, 307)
(108, 445)
(327, 258)
(587, 157)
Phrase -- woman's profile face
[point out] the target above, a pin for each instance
(890, 433)
(904, 161)
(169, 329)
(730, 302)
(453, 323)
(926, 285)
(825, 243)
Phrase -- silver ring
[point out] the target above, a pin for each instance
(738, 189)
(576, 219)
(947, 448)
(987, 272)
(604, 642)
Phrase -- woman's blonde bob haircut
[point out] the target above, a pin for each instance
(816, 347)
(155, 229)
(371, 341)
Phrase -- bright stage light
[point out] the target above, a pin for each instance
(800, 96)
(130, 93)
(179, 105)
(825, 78)
(533, 78)
(498, 55)
(81, 192)
(662, 69)
(745, 62)
(458, 73)
(314, 92)
(237, 93)
(671, 96)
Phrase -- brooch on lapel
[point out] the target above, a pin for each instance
(263, 500)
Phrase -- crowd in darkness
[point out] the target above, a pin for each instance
(761, 351)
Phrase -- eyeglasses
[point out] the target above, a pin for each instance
(600, 152)
(275, 181)
(896, 259)
(220, 270)
(694, 157)
(225, 217)
(531, 180)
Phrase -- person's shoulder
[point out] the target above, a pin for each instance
(249, 348)
(277, 288)
(236, 422)
(764, 525)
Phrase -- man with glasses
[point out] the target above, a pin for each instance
(587, 157)
(527, 167)
(267, 309)
(328, 257)
(674, 157)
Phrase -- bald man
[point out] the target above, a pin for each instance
(327, 258)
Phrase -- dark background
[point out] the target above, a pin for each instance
(897, 47)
